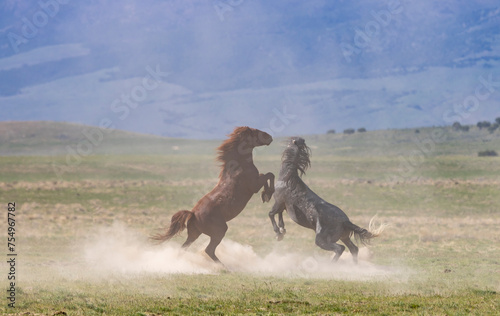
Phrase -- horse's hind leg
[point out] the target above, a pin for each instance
(281, 223)
(215, 239)
(338, 249)
(278, 229)
(327, 242)
(193, 234)
(352, 248)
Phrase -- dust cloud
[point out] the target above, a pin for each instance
(119, 249)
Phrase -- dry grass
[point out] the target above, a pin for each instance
(439, 254)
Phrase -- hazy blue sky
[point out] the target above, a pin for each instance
(198, 68)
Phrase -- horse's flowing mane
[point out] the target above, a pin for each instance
(295, 159)
(228, 149)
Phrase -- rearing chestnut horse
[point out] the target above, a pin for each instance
(239, 180)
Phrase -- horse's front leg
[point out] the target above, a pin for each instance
(279, 230)
(268, 191)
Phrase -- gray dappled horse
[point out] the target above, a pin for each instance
(307, 209)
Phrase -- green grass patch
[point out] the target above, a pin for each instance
(439, 254)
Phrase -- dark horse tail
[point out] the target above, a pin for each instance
(362, 235)
(177, 224)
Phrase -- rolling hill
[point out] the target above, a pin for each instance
(56, 138)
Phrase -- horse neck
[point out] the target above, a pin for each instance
(288, 172)
(235, 160)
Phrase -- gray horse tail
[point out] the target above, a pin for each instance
(363, 236)
(178, 223)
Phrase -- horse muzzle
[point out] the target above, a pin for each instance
(265, 139)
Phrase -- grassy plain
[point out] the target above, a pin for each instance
(439, 256)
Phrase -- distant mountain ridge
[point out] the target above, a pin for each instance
(330, 64)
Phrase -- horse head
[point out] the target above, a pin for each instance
(252, 137)
(239, 146)
(298, 141)
(296, 155)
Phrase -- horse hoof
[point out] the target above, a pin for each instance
(265, 197)
(279, 237)
(282, 230)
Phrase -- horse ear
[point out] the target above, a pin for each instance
(248, 131)
(241, 130)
